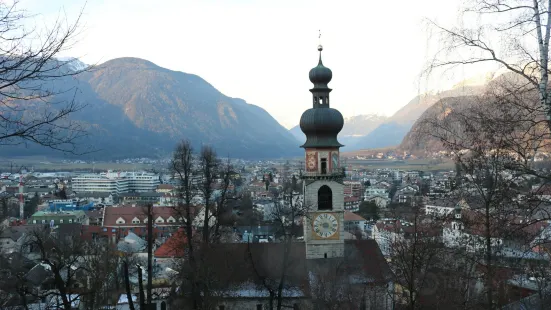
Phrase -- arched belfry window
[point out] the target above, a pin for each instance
(325, 198)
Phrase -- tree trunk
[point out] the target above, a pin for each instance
(60, 285)
(149, 253)
(127, 284)
(489, 276)
(140, 286)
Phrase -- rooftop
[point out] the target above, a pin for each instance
(349, 216)
(64, 213)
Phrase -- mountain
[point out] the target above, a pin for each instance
(395, 128)
(73, 64)
(457, 106)
(416, 141)
(354, 128)
(135, 108)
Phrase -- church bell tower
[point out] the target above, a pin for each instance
(323, 176)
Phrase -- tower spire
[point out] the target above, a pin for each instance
(320, 47)
(321, 124)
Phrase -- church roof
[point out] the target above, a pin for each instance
(238, 265)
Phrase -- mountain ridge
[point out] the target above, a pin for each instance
(136, 108)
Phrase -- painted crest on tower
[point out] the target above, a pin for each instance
(312, 161)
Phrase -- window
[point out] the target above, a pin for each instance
(325, 198)
(321, 100)
(61, 221)
(259, 307)
(43, 221)
(70, 220)
(324, 255)
(324, 166)
(34, 221)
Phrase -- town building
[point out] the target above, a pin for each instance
(353, 188)
(354, 223)
(59, 217)
(438, 211)
(352, 203)
(134, 219)
(142, 198)
(116, 182)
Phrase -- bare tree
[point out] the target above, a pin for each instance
(182, 169)
(220, 212)
(494, 138)
(511, 33)
(33, 108)
(414, 246)
(208, 167)
(285, 216)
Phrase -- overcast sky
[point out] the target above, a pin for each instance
(262, 50)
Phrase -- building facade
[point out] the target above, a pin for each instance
(57, 218)
(116, 182)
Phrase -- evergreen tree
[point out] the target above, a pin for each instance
(32, 205)
(369, 210)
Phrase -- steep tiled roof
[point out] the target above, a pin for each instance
(173, 246)
(349, 216)
(165, 186)
(236, 264)
(112, 214)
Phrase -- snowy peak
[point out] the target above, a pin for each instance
(74, 64)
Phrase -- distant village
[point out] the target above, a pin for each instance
(378, 206)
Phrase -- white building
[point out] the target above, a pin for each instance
(116, 182)
(375, 190)
(438, 211)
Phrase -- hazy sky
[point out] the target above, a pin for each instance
(262, 50)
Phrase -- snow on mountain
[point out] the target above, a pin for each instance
(73, 63)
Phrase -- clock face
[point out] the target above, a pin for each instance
(325, 225)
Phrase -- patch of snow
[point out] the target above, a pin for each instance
(73, 63)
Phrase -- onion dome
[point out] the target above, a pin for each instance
(321, 124)
(320, 75)
(321, 127)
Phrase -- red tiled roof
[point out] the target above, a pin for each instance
(174, 246)
(349, 216)
(111, 214)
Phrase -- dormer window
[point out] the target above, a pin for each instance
(171, 220)
(159, 220)
(136, 220)
(120, 220)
